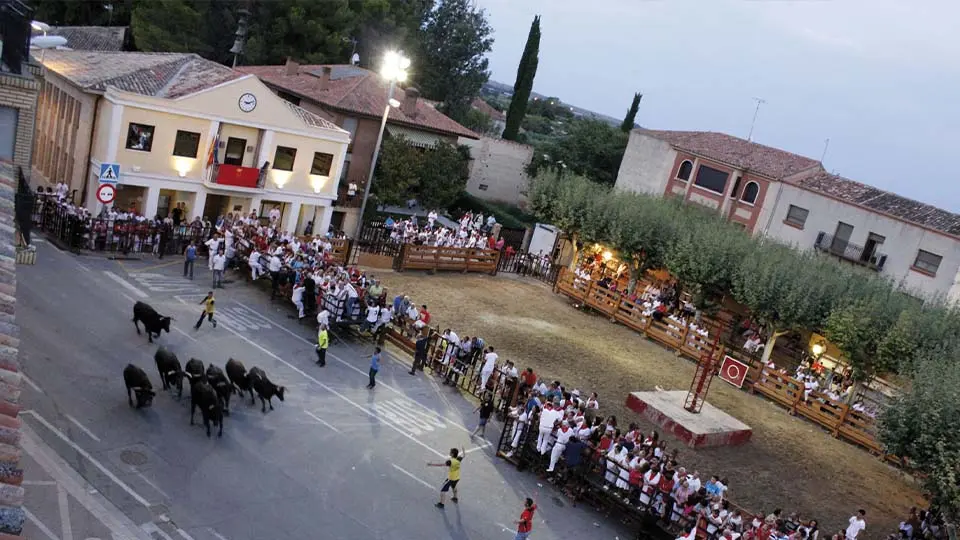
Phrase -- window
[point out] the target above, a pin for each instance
(186, 144)
(289, 97)
(927, 262)
(140, 137)
(483, 187)
(796, 216)
(683, 173)
(711, 179)
(284, 158)
(9, 118)
(321, 164)
(750, 192)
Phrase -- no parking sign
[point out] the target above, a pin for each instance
(106, 193)
(733, 371)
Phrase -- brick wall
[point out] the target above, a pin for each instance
(11, 473)
(20, 92)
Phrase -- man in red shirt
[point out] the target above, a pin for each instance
(525, 525)
(424, 315)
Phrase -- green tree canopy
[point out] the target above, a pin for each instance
(434, 176)
(523, 86)
(631, 118)
(591, 148)
(450, 64)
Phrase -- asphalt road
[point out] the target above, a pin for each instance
(334, 460)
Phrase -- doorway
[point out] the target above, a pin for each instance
(234, 152)
(215, 207)
(874, 241)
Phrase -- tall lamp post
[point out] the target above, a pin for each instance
(394, 69)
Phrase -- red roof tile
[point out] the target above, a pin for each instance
(356, 90)
(484, 107)
(737, 152)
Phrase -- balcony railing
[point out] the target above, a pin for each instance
(850, 252)
(234, 175)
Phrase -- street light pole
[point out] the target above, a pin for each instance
(395, 70)
(373, 162)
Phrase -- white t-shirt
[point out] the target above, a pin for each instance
(219, 262)
(386, 314)
(323, 318)
(274, 264)
(856, 525)
(489, 361)
(373, 314)
(298, 293)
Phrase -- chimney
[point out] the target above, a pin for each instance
(291, 68)
(409, 106)
(325, 72)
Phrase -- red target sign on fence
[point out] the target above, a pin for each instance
(733, 371)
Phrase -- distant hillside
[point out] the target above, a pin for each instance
(506, 90)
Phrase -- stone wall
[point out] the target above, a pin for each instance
(20, 92)
(497, 172)
(11, 473)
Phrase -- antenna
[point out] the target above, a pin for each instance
(760, 101)
(826, 145)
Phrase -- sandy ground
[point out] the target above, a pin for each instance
(790, 463)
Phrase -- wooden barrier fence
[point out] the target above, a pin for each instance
(340, 250)
(432, 258)
(836, 417)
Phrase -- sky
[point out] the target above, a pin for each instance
(879, 78)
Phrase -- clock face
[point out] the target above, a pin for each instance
(248, 102)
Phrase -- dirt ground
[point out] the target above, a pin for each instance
(790, 463)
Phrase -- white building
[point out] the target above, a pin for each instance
(791, 198)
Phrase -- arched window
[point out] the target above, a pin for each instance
(686, 168)
(750, 192)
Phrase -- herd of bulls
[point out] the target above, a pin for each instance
(210, 389)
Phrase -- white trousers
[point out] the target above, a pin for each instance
(555, 455)
(543, 440)
(484, 377)
(299, 304)
(517, 432)
(255, 271)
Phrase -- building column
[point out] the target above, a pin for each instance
(290, 220)
(255, 202)
(321, 221)
(115, 134)
(199, 201)
(265, 145)
(151, 202)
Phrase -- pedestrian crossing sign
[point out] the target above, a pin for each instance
(109, 173)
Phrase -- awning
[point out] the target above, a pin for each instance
(416, 138)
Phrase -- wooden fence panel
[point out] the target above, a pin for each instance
(603, 300)
(828, 413)
(631, 314)
(859, 428)
(785, 390)
(416, 257)
(660, 331)
(694, 345)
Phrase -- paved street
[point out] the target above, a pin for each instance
(333, 460)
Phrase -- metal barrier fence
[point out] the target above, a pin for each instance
(605, 484)
(527, 264)
(121, 236)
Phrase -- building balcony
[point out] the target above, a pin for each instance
(237, 176)
(844, 250)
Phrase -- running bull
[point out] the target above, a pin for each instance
(152, 321)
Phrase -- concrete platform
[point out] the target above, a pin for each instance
(712, 427)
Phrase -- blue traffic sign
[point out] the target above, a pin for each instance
(109, 173)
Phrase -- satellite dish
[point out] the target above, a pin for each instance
(355, 59)
(47, 42)
(40, 26)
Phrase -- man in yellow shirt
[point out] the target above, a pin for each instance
(208, 311)
(453, 474)
(323, 342)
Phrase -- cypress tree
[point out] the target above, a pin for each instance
(631, 117)
(526, 72)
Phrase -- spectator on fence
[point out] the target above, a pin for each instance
(489, 364)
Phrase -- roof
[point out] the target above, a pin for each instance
(91, 38)
(164, 75)
(311, 119)
(484, 107)
(880, 201)
(737, 152)
(355, 90)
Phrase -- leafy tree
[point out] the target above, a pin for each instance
(169, 26)
(434, 176)
(568, 201)
(538, 124)
(478, 121)
(450, 65)
(74, 13)
(591, 148)
(526, 72)
(550, 108)
(630, 120)
(786, 290)
(705, 253)
(920, 426)
(309, 31)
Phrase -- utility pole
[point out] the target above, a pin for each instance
(826, 144)
(760, 101)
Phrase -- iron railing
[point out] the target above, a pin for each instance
(529, 265)
(848, 251)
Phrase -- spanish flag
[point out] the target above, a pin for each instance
(212, 154)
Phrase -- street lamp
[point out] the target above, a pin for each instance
(394, 70)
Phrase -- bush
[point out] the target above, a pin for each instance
(509, 216)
